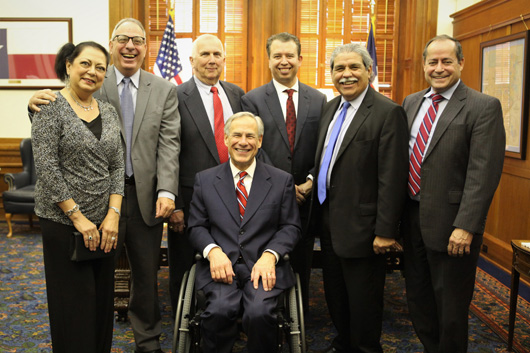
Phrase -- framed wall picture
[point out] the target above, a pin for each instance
(504, 74)
(28, 47)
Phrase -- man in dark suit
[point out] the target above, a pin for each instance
(153, 146)
(454, 172)
(243, 219)
(292, 150)
(362, 159)
(199, 150)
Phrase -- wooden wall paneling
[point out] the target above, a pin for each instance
(259, 27)
(417, 24)
(266, 18)
(508, 214)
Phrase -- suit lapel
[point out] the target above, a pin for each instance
(232, 98)
(324, 126)
(109, 93)
(144, 91)
(415, 107)
(453, 107)
(275, 109)
(259, 191)
(304, 102)
(196, 111)
(224, 185)
(360, 116)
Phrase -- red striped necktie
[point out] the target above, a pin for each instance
(242, 196)
(418, 151)
(290, 118)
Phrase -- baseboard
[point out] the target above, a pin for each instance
(501, 275)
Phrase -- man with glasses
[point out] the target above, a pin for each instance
(148, 108)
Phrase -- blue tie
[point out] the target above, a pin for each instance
(127, 112)
(323, 173)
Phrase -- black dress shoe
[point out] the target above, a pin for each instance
(155, 351)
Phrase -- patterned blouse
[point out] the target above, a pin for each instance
(72, 163)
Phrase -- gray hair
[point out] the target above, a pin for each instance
(458, 47)
(125, 20)
(228, 123)
(353, 48)
(194, 53)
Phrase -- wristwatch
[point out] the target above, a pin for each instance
(72, 211)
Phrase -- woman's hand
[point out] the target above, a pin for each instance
(88, 229)
(109, 231)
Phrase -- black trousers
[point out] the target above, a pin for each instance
(439, 289)
(80, 295)
(142, 243)
(354, 289)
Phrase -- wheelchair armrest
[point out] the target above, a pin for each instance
(17, 180)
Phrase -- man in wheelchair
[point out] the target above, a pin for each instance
(243, 219)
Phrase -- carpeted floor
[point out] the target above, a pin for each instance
(24, 322)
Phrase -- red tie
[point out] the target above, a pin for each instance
(242, 196)
(290, 118)
(416, 157)
(219, 126)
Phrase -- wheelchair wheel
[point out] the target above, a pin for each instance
(184, 313)
(296, 311)
(179, 311)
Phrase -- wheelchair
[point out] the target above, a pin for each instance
(191, 304)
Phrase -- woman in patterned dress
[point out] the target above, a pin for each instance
(80, 170)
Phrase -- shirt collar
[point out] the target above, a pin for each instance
(280, 88)
(134, 78)
(447, 94)
(204, 87)
(250, 170)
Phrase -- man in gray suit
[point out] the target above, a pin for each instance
(456, 151)
(152, 165)
(198, 140)
(294, 153)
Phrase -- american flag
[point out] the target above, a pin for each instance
(370, 46)
(168, 64)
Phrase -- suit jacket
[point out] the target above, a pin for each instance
(155, 140)
(199, 151)
(462, 166)
(271, 219)
(264, 102)
(368, 181)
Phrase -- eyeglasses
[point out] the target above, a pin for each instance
(123, 39)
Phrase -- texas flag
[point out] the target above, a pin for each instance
(20, 61)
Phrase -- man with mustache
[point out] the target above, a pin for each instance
(360, 190)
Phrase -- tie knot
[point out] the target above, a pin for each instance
(436, 98)
(213, 90)
(346, 105)
(289, 92)
(126, 81)
(242, 175)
